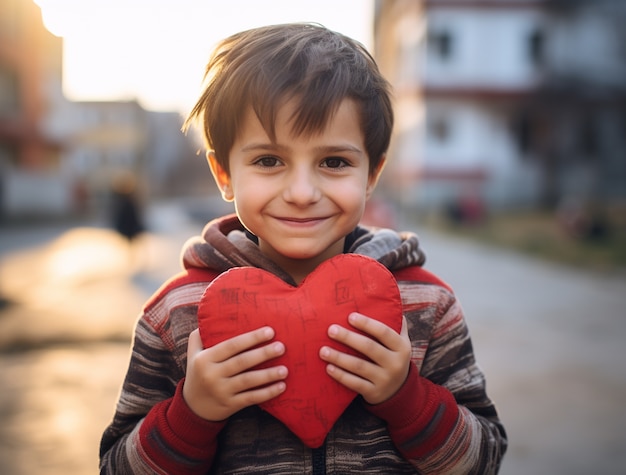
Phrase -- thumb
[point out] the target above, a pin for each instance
(194, 345)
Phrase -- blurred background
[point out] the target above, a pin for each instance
(508, 159)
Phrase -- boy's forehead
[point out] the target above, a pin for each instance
(286, 116)
(341, 134)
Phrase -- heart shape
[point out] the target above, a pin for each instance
(246, 298)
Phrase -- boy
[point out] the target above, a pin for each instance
(298, 120)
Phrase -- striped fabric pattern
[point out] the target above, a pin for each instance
(440, 421)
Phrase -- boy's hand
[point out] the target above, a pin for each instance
(219, 379)
(389, 354)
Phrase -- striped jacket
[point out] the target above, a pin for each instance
(440, 421)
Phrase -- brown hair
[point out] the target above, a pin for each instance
(262, 67)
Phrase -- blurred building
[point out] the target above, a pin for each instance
(104, 140)
(30, 73)
(108, 139)
(59, 157)
(516, 103)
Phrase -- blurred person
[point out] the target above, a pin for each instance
(297, 120)
(127, 219)
(467, 209)
(125, 213)
(583, 219)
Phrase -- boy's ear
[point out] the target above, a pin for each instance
(372, 180)
(222, 179)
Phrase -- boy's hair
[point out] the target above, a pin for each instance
(319, 68)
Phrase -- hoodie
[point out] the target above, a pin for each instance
(440, 421)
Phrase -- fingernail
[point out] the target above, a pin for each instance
(279, 347)
(333, 330)
(324, 352)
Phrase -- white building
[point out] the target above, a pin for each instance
(108, 139)
(494, 96)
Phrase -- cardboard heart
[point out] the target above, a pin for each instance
(246, 298)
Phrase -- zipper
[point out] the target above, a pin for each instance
(319, 460)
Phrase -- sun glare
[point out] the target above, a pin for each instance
(155, 50)
(84, 253)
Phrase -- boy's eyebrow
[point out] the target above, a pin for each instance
(323, 149)
(261, 146)
(338, 149)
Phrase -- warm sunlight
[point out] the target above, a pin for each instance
(155, 50)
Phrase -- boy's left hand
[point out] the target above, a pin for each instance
(389, 354)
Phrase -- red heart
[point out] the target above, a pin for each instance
(246, 298)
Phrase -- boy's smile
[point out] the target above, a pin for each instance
(302, 194)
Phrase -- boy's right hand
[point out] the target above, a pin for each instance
(219, 379)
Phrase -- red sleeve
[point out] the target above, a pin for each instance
(420, 416)
(175, 440)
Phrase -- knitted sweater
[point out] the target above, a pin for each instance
(440, 421)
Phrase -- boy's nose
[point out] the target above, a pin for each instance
(302, 188)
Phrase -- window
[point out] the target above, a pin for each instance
(523, 130)
(439, 128)
(536, 47)
(9, 93)
(8, 156)
(441, 44)
(588, 138)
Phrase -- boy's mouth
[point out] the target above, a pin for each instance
(301, 221)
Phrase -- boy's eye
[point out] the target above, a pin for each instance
(334, 162)
(268, 162)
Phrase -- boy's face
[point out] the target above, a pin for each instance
(302, 194)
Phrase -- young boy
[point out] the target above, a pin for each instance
(298, 120)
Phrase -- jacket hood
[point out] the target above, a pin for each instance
(224, 243)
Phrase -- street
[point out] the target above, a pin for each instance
(551, 342)
(549, 338)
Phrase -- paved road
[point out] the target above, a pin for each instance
(552, 343)
(549, 338)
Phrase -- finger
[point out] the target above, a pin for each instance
(381, 332)
(259, 395)
(235, 345)
(359, 367)
(349, 380)
(251, 358)
(194, 344)
(363, 344)
(256, 379)
(404, 331)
